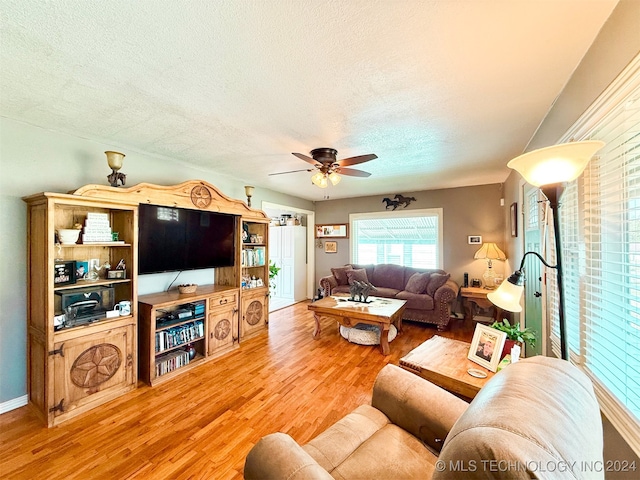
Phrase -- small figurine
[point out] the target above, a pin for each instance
(360, 290)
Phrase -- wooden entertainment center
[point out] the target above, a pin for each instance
(74, 365)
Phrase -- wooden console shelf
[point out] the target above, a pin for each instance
(64, 379)
(218, 319)
(89, 359)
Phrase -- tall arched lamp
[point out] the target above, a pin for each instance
(548, 168)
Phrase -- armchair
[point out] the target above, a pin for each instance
(538, 413)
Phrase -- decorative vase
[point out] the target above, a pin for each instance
(191, 351)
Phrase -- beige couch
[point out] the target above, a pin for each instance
(429, 293)
(534, 419)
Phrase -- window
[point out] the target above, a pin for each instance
(600, 231)
(412, 238)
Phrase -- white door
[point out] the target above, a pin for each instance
(287, 250)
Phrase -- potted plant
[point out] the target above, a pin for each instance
(514, 335)
(273, 272)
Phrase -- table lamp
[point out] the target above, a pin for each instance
(489, 252)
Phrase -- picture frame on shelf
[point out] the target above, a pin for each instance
(333, 231)
(330, 247)
(486, 346)
(82, 269)
(64, 273)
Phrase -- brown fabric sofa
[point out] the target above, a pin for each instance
(538, 418)
(429, 293)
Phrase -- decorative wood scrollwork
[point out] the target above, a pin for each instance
(96, 365)
(200, 196)
(222, 329)
(254, 313)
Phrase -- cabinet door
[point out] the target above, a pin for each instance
(223, 328)
(92, 368)
(254, 313)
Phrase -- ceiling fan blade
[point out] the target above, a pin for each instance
(352, 172)
(347, 162)
(306, 158)
(292, 171)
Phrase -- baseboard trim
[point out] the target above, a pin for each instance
(13, 404)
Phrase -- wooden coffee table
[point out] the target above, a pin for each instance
(444, 362)
(382, 312)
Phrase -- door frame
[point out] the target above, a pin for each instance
(311, 258)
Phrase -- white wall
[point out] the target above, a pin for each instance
(33, 160)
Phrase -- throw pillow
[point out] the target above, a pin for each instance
(418, 283)
(341, 274)
(436, 281)
(357, 275)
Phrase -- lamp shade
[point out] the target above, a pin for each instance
(114, 159)
(335, 178)
(490, 251)
(248, 190)
(319, 179)
(555, 164)
(507, 296)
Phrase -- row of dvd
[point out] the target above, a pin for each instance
(172, 337)
(171, 361)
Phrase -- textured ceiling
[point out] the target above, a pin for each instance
(445, 92)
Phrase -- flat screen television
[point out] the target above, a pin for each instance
(175, 239)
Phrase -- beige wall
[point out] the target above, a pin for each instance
(466, 211)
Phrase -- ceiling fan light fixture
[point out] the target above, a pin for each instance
(319, 179)
(335, 178)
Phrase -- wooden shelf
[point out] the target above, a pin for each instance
(53, 374)
(176, 347)
(220, 326)
(54, 355)
(198, 360)
(88, 283)
(177, 323)
(87, 245)
(65, 334)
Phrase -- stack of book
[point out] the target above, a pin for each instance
(97, 228)
(253, 257)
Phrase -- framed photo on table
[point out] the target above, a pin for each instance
(486, 346)
(332, 231)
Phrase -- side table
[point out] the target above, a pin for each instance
(474, 298)
(444, 362)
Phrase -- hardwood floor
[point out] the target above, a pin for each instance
(203, 423)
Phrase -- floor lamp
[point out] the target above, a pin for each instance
(549, 169)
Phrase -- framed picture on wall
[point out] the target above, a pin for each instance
(513, 219)
(333, 231)
(330, 247)
(474, 239)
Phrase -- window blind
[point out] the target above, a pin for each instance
(411, 238)
(612, 242)
(600, 232)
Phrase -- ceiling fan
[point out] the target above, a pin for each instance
(329, 168)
